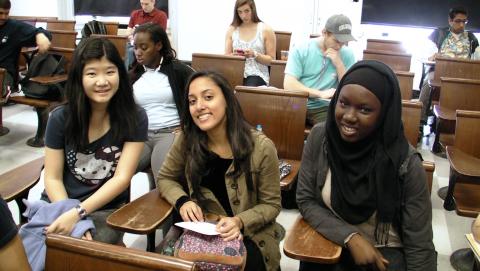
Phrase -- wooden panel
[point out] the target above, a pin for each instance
(34, 18)
(460, 94)
(112, 28)
(396, 61)
(70, 254)
(63, 38)
(283, 42)
(231, 67)
(467, 199)
(411, 113)
(19, 180)
(120, 43)
(68, 25)
(385, 45)
(277, 73)
(467, 132)
(281, 113)
(306, 244)
(405, 80)
(456, 68)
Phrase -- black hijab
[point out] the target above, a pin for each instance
(365, 175)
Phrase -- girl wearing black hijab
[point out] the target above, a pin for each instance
(361, 185)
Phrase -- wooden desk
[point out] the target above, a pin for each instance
(305, 244)
(15, 184)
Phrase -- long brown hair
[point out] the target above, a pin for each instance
(236, 19)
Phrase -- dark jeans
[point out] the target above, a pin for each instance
(394, 255)
(253, 81)
(254, 256)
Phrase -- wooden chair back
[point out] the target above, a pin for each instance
(456, 68)
(68, 25)
(283, 42)
(63, 38)
(396, 61)
(230, 67)
(411, 114)
(281, 113)
(35, 19)
(111, 27)
(67, 253)
(120, 43)
(467, 132)
(405, 80)
(385, 45)
(277, 73)
(460, 94)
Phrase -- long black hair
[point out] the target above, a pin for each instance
(122, 109)
(238, 133)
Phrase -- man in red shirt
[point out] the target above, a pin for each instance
(148, 13)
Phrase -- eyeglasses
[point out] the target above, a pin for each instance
(458, 21)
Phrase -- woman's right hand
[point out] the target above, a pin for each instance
(190, 211)
(365, 254)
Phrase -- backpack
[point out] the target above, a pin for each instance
(93, 27)
(44, 65)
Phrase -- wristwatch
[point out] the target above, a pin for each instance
(82, 213)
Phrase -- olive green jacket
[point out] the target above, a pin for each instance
(257, 209)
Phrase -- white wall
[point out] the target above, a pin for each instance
(35, 8)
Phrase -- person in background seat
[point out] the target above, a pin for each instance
(159, 82)
(13, 36)
(248, 36)
(318, 65)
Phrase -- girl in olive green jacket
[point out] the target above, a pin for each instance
(230, 170)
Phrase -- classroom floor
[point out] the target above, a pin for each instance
(448, 228)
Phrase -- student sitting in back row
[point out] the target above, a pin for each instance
(361, 185)
(159, 81)
(318, 65)
(13, 36)
(248, 36)
(94, 141)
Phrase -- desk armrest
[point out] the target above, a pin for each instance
(48, 80)
(141, 216)
(462, 162)
(444, 113)
(304, 243)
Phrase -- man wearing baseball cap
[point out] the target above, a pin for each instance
(318, 65)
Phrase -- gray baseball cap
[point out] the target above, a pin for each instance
(341, 27)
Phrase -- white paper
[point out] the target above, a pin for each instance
(200, 227)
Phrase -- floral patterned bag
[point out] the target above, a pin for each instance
(210, 252)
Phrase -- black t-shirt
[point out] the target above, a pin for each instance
(215, 180)
(13, 36)
(8, 229)
(84, 172)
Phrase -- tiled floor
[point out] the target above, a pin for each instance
(449, 229)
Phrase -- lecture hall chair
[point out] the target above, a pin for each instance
(120, 43)
(277, 73)
(282, 42)
(405, 80)
(68, 25)
(282, 114)
(63, 38)
(230, 67)
(385, 45)
(396, 61)
(456, 94)
(463, 189)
